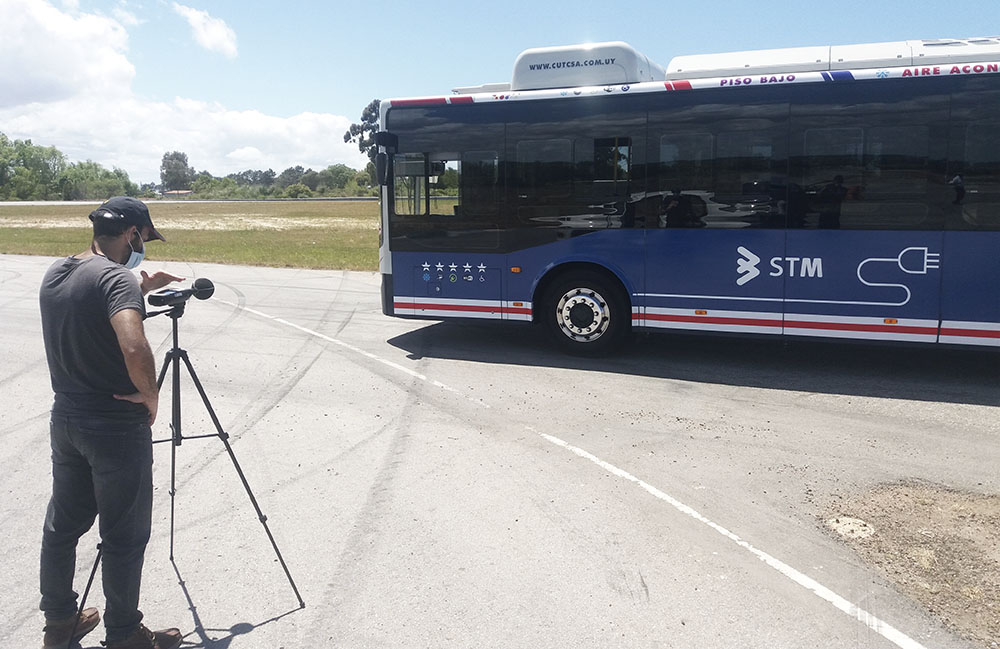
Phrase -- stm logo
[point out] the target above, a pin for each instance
(805, 267)
(746, 266)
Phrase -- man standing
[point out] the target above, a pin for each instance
(104, 378)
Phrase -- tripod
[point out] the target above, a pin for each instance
(173, 360)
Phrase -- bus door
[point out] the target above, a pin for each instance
(445, 222)
(717, 182)
(864, 259)
(970, 301)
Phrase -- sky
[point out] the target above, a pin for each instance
(246, 84)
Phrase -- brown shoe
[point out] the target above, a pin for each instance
(57, 632)
(143, 638)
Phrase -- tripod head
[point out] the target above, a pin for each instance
(175, 299)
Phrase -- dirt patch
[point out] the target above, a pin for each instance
(939, 546)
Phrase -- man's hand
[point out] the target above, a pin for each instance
(151, 402)
(157, 280)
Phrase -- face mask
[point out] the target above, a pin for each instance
(135, 258)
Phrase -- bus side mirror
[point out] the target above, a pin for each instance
(382, 168)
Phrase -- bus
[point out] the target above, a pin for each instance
(836, 191)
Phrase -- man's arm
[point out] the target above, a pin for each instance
(139, 361)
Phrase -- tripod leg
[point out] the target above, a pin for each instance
(163, 370)
(224, 436)
(86, 591)
(172, 359)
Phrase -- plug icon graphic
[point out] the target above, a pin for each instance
(917, 260)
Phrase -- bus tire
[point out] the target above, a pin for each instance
(586, 313)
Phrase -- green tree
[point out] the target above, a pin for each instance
(364, 133)
(310, 179)
(6, 161)
(290, 176)
(28, 171)
(206, 186)
(298, 190)
(89, 180)
(175, 172)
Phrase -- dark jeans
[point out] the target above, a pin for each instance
(100, 468)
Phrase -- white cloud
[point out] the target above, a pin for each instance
(75, 94)
(48, 55)
(211, 33)
(124, 16)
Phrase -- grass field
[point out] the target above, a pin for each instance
(299, 234)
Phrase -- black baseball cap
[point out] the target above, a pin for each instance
(132, 210)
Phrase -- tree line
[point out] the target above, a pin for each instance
(32, 172)
(29, 172)
(176, 175)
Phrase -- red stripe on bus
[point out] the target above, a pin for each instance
(682, 85)
(449, 307)
(433, 101)
(743, 322)
(970, 333)
(466, 308)
(465, 99)
(792, 324)
(848, 326)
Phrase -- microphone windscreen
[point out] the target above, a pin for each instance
(203, 288)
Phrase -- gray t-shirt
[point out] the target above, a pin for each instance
(77, 299)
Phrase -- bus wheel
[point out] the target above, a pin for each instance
(586, 314)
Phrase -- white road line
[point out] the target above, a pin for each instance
(356, 350)
(877, 625)
(884, 629)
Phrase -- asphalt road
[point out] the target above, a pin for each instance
(457, 485)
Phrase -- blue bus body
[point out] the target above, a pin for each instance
(826, 206)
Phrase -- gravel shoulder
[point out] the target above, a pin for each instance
(939, 546)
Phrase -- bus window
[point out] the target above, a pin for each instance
(975, 182)
(832, 152)
(896, 160)
(717, 163)
(443, 182)
(409, 184)
(612, 159)
(869, 165)
(544, 168)
(749, 179)
(686, 161)
(464, 185)
(479, 182)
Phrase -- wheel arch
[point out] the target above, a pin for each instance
(562, 269)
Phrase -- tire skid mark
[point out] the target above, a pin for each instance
(23, 459)
(366, 530)
(13, 274)
(207, 516)
(25, 369)
(258, 405)
(369, 355)
(265, 399)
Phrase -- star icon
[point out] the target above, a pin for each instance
(467, 267)
(439, 266)
(452, 267)
(482, 268)
(426, 266)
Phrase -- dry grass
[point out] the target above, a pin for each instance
(300, 234)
